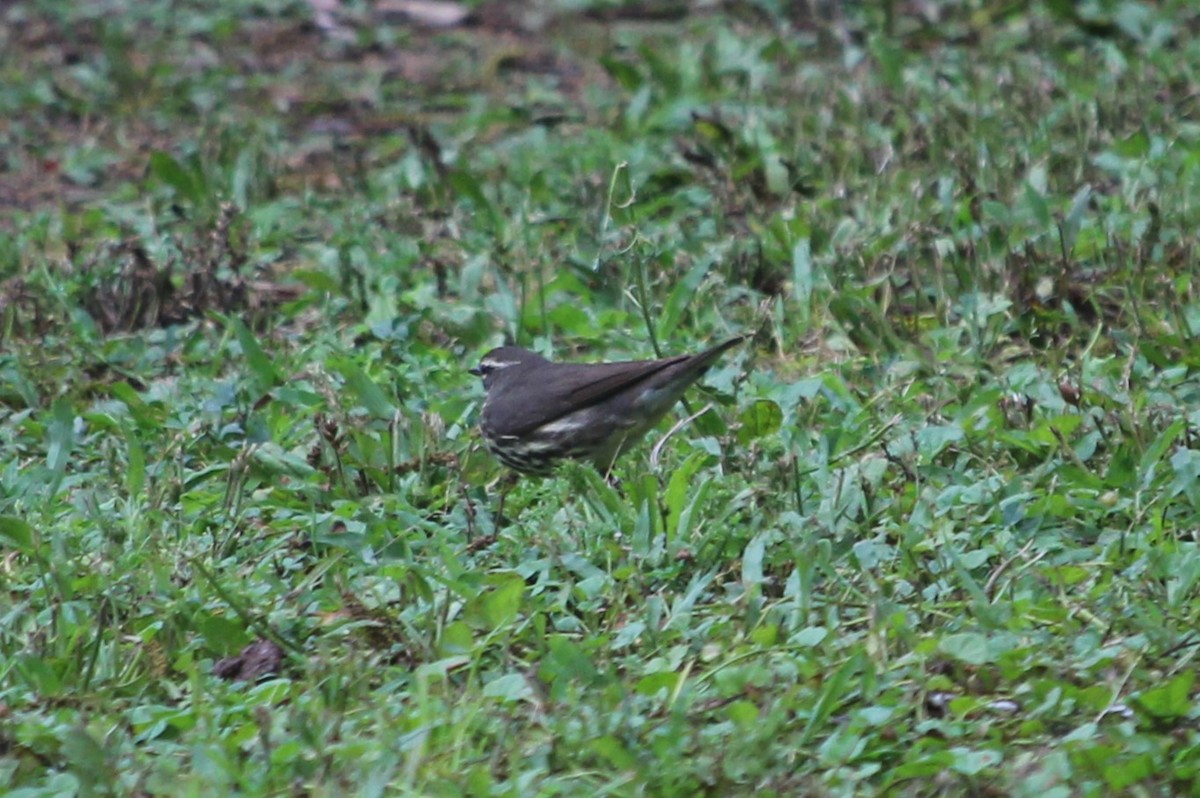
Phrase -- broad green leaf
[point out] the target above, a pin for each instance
(765, 635)
(86, 757)
(1172, 699)
(682, 530)
(997, 212)
(317, 280)
(611, 749)
(223, 633)
(511, 687)
(1186, 463)
(870, 553)
(971, 762)
(802, 272)
(502, 602)
(743, 713)
(125, 392)
(760, 419)
(368, 392)
(261, 366)
(135, 457)
(835, 689)
(60, 444)
(184, 181)
(969, 647)
(62, 435)
(890, 60)
(679, 487)
(752, 562)
(1074, 217)
(467, 185)
(626, 76)
(441, 668)
(1039, 209)
(681, 297)
(1122, 772)
(1135, 145)
(457, 638)
(271, 459)
(1158, 450)
(657, 682)
(17, 532)
(567, 660)
(810, 636)
(628, 634)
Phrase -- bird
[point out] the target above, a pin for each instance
(537, 413)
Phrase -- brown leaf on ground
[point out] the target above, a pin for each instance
(259, 659)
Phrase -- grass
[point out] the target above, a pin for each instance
(935, 536)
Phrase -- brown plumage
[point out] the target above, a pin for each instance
(538, 412)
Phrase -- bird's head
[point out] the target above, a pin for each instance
(508, 359)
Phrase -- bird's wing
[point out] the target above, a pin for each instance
(566, 388)
(612, 378)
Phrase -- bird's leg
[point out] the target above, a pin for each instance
(612, 479)
(507, 483)
(470, 512)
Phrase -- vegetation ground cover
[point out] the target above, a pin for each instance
(936, 533)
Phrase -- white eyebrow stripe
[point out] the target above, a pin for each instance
(499, 364)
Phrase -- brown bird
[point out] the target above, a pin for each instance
(538, 413)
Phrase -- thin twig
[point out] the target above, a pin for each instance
(654, 453)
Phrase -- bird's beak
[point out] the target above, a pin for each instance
(478, 372)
